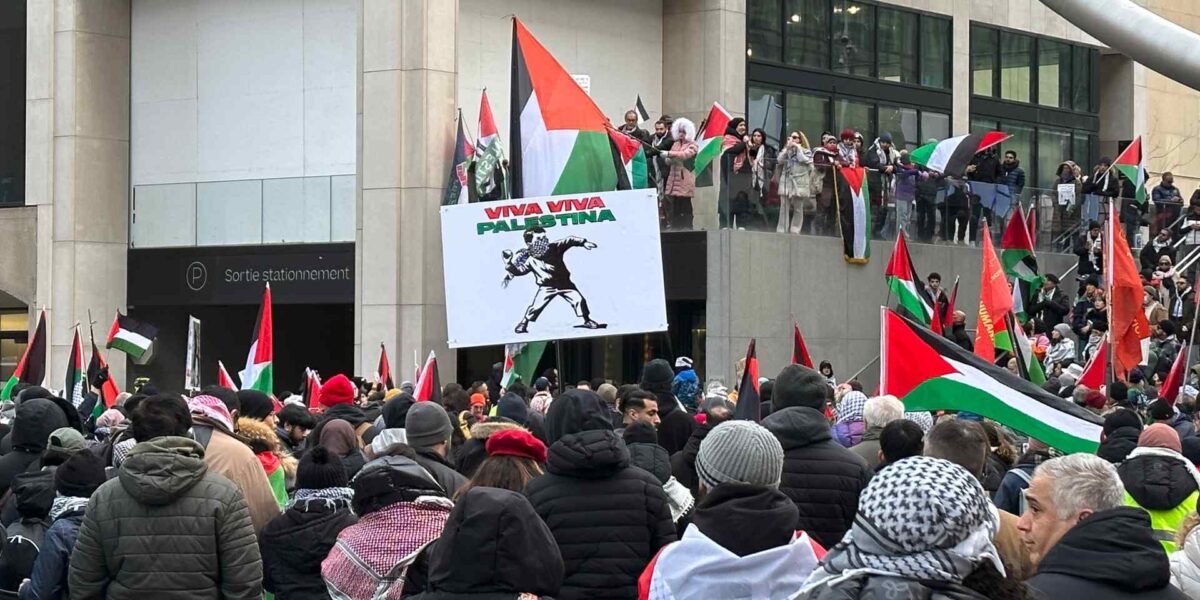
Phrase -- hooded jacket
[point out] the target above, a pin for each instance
(228, 455)
(129, 545)
(607, 517)
(473, 451)
(675, 426)
(1118, 444)
(1185, 565)
(348, 413)
(1163, 483)
(493, 546)
(35, 420)
(819, 475)
(512, 407)
(294, 544)
(683, 463)
(1111, 555)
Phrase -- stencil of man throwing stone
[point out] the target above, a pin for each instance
(544, 259)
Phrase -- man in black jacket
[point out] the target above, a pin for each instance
(675, 426)
(1050, 305)
(428, 429)
(608, 518)
(819, 475)
(1158, 247)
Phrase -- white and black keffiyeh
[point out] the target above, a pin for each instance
(921, 418)
(332, 498)
(921, 518)
(850, 408)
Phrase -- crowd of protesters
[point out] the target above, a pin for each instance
(644, 490)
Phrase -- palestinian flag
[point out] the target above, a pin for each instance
(1027, 362)
(995, 302)
(1094, 371)
(429, 386)
(640, 109)
(73, 387)
(311, 389)
(633, 159)
(131, 336)
(1128, 325)
(1016, 250)
(749, 400)
(1020, 291)
(945, 311)
(1132, 164)
(98, 376)
(223, 378)
(1174, 380)
(856, 216)
(32, 367)
(905, 284)
(456, 186)
(930, 373)
(951, 156)
(558, 133)
(489, 153)
(709, 138)
(799, 348)
(383, 373)
(258, 374)
(520, 362)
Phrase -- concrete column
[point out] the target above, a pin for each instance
(704, 60)
(960, 69)
(407, 80)
(77, 164)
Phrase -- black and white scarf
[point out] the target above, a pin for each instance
(332, 498)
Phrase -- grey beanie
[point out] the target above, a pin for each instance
(427, 424)
(740, 451)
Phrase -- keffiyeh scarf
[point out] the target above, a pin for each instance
(851, 407)
(332, 498)
(213, 408)
(921, 418)
(66, 504)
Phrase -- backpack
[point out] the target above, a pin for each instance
(23, 541)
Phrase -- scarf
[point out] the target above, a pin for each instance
(921, 518)
(541, 402)
(849, 155)
(66, 504)
(851, 407)
(739, 159)
(213, 408)
(679, 499)
(685, 388)
(1177, 306)
(921, 418)
(332, 498)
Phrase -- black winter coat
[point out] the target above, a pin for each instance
(443, 472)
(294, 544)
(33, 422)
(819, 475)
(1111, 555)
(1118, 444)
(675, 425)
(683, 463)
(346, 412)
(1157, 482)
(608, 518)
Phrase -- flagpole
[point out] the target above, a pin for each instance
(1191, 340)
(558, 365)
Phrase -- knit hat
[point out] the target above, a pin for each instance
(516, 442)
(1161, 410)
(320, 469)
(255, 404)
(427, 424)
(1150, 291)
(541, 384)
(478, 400)
(80, 475)
(847, 134)
(1119, 418)
(657, 376)
(395, 411)
(1064, 330)
(740, 451)
(1160, 435)
(338, 390)
(66, 441)
(109, 418)
(683, 362)
(885, 137)
(1095, 400)
(798, 385)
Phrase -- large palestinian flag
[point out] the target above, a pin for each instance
(855, 216)
(633, 159)
(489, 152)
(951, 156)
(258, 374)
(559, 141)
(710, 136)
(520, 362)
(1132, 164)
(905, 284)
(928, 373)
(1016, 250)
(457, 191)
(32, 367)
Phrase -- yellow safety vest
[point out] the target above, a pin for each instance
(1166, 523)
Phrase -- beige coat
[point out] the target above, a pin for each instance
(228, 456)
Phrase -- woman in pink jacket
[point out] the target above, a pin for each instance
(680, 185)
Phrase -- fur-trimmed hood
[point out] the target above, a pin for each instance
(484, 430)
(262, 438)
(686, 126)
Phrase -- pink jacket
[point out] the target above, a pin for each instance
(680, 179)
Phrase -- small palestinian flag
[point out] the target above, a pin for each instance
(633, 159)
(1027, 362)
(489, 152)
(457, 191)
(73, 387)
(98, 376)
(930, 373)
(905, 284)
(951, 156)
(383, 374)
(311, 389)
(520, 362)
(223, 378)
(799, 348)
(1132, 164)
(709, 138)
(429, 385)
(131, 336)
(640, 109)
(749, 400)
(32, 367)
(855, 216)
(1094, 372)
(1016, 250)
(258, 374)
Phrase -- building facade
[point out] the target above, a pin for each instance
(172, 156)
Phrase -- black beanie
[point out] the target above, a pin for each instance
(1161, 410)
(254, 404)
(1122, 417)
(80, 475)
(798, 385)
(320, 469)
(657, 376)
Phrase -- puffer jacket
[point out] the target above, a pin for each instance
(608, 518)
(166, 528)
(796, 172)
(819, 475)
(1185, 565)
(1164, 484)
(35, 419)
(681, 181)
(874, 587)
(849, 433)
(294, 544)
(1118, 444)
(443, 472)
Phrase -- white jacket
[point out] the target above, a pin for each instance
(697, 567)
(1185, 566)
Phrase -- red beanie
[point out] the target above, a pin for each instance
(478, 400)
(516, 442)
(338, 390)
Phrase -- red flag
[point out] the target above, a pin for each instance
(995, 301)
(1127, 319)
(799, 348)
(1093, 373)
(749, 400)
(429, 388)
(1174, 380)
(223, 378)
(384, 372)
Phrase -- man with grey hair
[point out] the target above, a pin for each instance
(877, 413)
(1085, 542)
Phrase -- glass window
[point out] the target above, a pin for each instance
(934, 126)
(1081, 149)
(765, 110)
(1054, 146)
(1021, 142)
(983, 60)
(295, 210)
(936, 48)
(229, 213)
(983, 125)
(764, 37)
(1054, 74)
(810, 114)
(807, 29)
(897, 45)
(859, 116)
(1015, 71)
(163, 215)
(853, 38)
(1081, 79)
(902, 124)
(341, 208)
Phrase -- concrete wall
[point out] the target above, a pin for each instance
(758, 280)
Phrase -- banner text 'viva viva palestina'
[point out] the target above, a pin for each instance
(518, 217)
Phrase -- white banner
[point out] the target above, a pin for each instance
(191, 365)
(559, 267)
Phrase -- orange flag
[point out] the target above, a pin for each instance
(1127, 320)
(995, 301)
